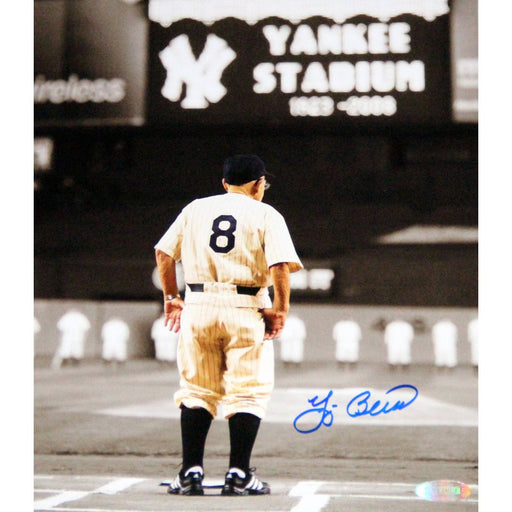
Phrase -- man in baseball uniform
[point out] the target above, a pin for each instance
(473, 340)
(166, 341)
(347, 335)
(444, 341)
(232, 247)
(398, 336)
(115, 334)
(73, 326)
(292, 341)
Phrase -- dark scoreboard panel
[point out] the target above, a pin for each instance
(326, 62)
(89, 63)
(257, 62)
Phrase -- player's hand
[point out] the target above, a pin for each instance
(173, 309)
(274, 323)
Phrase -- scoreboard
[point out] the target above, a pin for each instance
(289, 62)
(255, 62)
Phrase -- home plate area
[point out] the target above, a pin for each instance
(90, 493)
(342, 406)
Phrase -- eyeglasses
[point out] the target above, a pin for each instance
(266, 184)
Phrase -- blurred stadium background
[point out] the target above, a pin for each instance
(377, 173)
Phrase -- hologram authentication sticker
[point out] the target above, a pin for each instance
(443, 490)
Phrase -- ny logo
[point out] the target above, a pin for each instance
(201, 77)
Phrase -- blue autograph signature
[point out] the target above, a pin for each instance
(358, 406)
(326, 416)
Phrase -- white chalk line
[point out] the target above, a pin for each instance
(63, 497)
(117, 485)
(113, 487)
(309, 500)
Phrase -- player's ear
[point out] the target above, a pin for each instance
(255, 190)
(225, 184)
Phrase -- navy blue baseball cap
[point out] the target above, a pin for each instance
(240, 169)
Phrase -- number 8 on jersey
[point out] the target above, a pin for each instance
(223, 230)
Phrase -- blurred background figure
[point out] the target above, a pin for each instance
(73, 326)
(292, 341)
(166, 342)
(347, 335)
(115, 334)
(398, 336)
(473, 340)
(444, 340)
(37, 326)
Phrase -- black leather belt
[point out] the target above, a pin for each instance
(243, 290)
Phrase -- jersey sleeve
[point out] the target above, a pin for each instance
(171, 241)
(278, 244)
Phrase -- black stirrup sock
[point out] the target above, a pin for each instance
(243, 429)
(195, 424)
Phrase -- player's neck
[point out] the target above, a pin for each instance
(243, 190)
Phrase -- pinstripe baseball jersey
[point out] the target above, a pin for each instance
(227, 240)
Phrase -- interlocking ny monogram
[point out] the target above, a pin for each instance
(201, 77)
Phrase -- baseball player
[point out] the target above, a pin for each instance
(166, 341)
(292, 341)
(347, 335)
(73, 326)
(444, 340)
(473, 340)
(115, 334)
(398, 336)
(232, 247)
